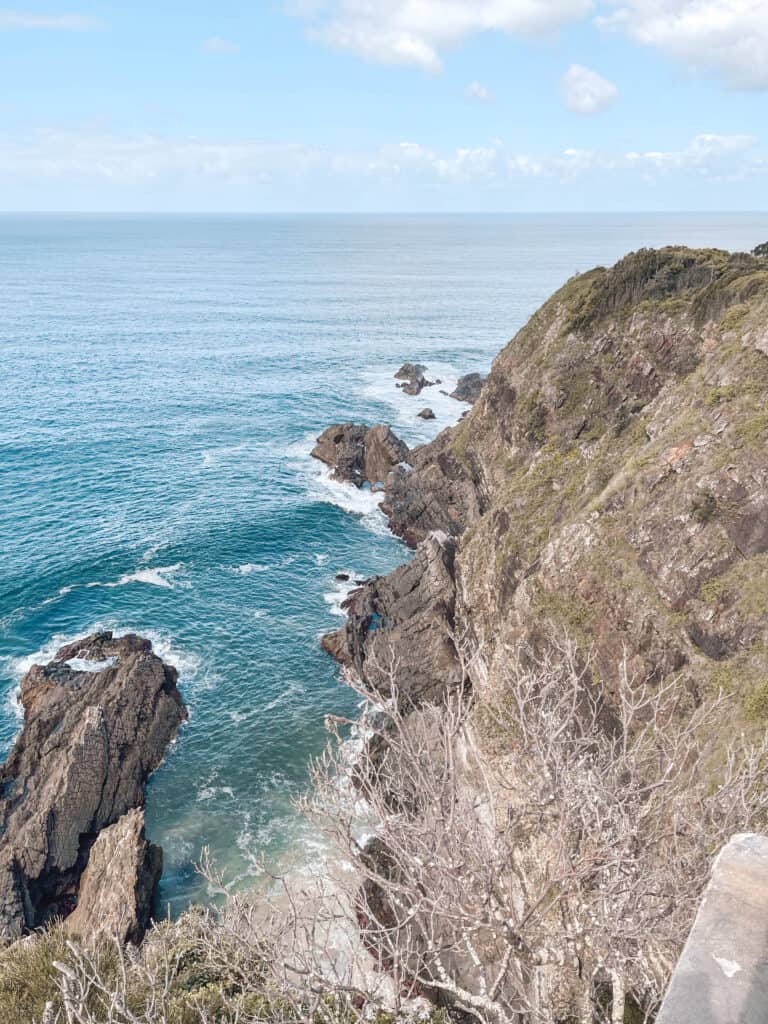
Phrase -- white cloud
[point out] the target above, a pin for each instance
(417, 31)
(586, 92)
(134, 162)
(68, 22)
(728, 38)
(215, 44)
(477, 91)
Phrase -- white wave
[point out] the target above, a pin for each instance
(381, 387)
(154, 577)
(320, 559)
(249, 568)
(86, 665)
(214, 792)
(158, 577)
(341, 591)
(213, 456)
(260, 613)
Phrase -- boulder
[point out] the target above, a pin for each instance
(468, 388)
(97, 721)
(118, 883)
(426, 414)
(414, 381)
(361, 455)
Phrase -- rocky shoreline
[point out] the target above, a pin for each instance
(97, 721)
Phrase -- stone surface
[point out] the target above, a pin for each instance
(412, 374)
(426, 414)
(399, 629)
(97, 721)
(610, 483)
(722, 975)
(361, 455)
(468, 388)
(118, 883)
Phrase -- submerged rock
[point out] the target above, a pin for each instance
(361, 455)
(97, 721)
(468, 388)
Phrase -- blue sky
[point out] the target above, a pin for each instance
(368, 105)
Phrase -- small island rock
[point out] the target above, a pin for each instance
(97, 721)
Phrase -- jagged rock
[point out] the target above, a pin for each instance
(437, 492)
(426, 414)
(118, 883)
(413, 376)
(404, 619)
(359, 454)
(610, 483)
(623, 426)
(468, 388)
(97, 721)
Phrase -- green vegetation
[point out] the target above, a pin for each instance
(703, 507)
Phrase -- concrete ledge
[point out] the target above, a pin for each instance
(722, 975)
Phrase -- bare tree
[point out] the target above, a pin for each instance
(525, 855)
(539, 851)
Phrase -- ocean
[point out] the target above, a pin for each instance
(162, 379)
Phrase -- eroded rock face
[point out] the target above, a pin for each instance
(436, 493)
(97, 721)
(118, 883)
(468, 387)
(399, 630)
(361, 455)
(611, 479)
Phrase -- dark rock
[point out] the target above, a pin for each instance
(404, 619)
(410, 371)
(94, 730)
(468, 388)
(358, 454)
(342, 577)
(437, 493)
(413, 376)
(426, 414)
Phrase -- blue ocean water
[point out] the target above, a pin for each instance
(161, 379)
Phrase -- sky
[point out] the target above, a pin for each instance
(384, 105)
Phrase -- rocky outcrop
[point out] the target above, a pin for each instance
(414, 381)
(117, 886)
(399, 631)
(468, 388)
(97, 721)
(623, 426)
(426, 414)
(361, 455)
(437, 492)
(610, 484)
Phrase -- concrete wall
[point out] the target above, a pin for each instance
(722, 975)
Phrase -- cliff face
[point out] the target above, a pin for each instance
(612, 480)
(97, 721)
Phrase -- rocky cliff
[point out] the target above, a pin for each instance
(611, 480)
(97, 721)
(609, 486)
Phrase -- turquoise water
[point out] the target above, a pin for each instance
(161, 381)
